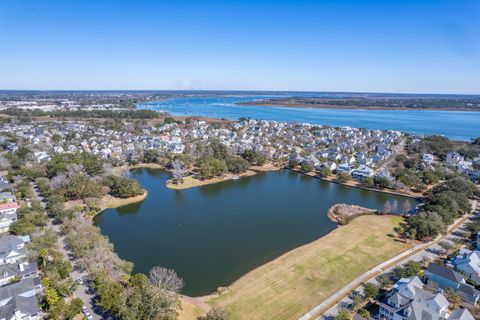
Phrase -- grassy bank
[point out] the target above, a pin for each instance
(292, 284)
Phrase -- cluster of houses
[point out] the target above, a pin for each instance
(356, 151)
(412, 298)
(19, 280)
(463, 166)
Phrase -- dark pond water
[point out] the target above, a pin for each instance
(214, 234)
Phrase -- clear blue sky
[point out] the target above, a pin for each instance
(382, 46)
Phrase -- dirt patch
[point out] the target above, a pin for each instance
(344, 213)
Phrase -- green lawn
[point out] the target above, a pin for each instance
(291, 285)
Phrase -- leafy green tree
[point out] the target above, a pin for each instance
(212, 167)
(364, 313)
(255, 158)
(343, 315)
(237, 165)
(109, 293)
(410, 269)
(122, 187)
(368, 182)
(370, 290)
(344, 177)
(324, 172)
(306, 167)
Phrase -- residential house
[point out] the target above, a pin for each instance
(12, 249)
(468, 262)
(444, 277)
(8, 215)
(20, 308)
(17, 271)
(408, 300)
(453, 158)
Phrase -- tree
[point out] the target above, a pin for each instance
(409, 269)
(344, 177)
(122, 187)
(364, 313)
(370, 290)
(255, 158)
(211, 167)
(384, 281)
(343, 315)
(144, 301)
(368, 182)
(237, 164)
(453, 297)
(165, 279)
(214, 314)
(357, 301)
(306, 167)
(324, 172)
(151, 156)
(109, 293)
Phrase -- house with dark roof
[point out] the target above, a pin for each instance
(408, 300)
(17, 271)
(468, 293)
(444, 277)
(12, 249)
(18, 307)
(461, 314)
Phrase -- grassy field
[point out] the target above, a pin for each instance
(291, 285)
(189, 311)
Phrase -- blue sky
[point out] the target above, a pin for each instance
(380, 46)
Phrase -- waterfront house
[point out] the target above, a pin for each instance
(461, 314)
(362, 172)
(344, 168)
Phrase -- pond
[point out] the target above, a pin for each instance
(212, 235)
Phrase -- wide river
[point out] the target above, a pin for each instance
(212, 235)
(456, 125)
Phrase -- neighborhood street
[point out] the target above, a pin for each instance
(79, 276)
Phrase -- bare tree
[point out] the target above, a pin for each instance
(4, 163)
(60, 181)
(165, 279)
(179, 170)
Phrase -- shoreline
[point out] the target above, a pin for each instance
(339, 107)
(355, 184)
(192, 182)
(212, 298)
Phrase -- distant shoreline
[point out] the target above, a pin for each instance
(331, 106)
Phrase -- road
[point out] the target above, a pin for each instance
(82, 290)
(427, 250)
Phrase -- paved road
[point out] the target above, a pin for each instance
(82, 290)
(427, 250)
